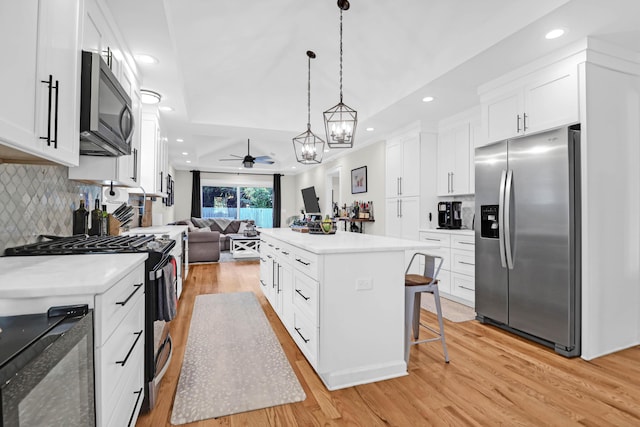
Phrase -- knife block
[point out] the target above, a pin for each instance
(113, 226)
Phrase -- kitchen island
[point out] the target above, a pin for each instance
(341, 298)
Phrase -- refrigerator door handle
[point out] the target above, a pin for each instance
(501, 222)
(507, 218)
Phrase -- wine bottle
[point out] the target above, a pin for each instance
(104, 223)
(80, 219)
(96, 220)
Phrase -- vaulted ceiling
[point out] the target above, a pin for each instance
(235, 70)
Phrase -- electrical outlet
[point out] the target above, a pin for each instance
(364, 284)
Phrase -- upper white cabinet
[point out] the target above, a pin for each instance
(39, 80)
(154, 158)
(541, 100)
(454, 156)
(403, 166)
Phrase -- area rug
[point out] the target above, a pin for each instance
(233, 361)
(451, 310)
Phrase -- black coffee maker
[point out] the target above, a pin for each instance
(450, 215)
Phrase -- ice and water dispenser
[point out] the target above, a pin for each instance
(489, 225)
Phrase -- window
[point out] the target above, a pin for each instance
(238, 202)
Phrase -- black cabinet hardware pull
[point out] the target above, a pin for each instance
(466, 243)
(139, 393)
(50, 86)
(429, 238)
(262, 282)
(285, 253)
(55, 121)
(467, 263)
(262, 259)
(302, 295)
(122, 362)
(137, 287)
(301, 336)
(302, 262)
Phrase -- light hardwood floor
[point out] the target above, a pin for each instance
(494, 378)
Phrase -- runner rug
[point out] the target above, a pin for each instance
(233, 361)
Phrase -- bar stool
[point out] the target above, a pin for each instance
(414, 286)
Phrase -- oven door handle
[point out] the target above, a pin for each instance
(137, 288)
(123, 362)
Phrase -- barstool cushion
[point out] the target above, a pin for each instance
(417, 280)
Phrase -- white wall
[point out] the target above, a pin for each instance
(373, 157)
(611, 204)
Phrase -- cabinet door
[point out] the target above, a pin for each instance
(410, 169)
(410, 217)
(503, 116)
(552, 100)
(393, 225)
(44, 42)
(286, 294)
(393, 168)
(444, 165)
(18, 78)
(461, 155)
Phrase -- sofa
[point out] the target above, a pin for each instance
(209, 236)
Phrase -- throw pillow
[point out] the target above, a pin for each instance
(199, 222)
(242, 228)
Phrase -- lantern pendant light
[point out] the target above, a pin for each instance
(309, 147)
(340, 121)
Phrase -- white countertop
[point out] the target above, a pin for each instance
(344, 242)
(56, 275)
(173, 231)
(460, 231)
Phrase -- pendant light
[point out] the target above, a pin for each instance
(309, 147)
(340, 121)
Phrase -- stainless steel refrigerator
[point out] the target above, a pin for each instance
(528, 237)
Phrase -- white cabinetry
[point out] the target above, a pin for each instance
(39, 81)
(402, 184)
(153, 151)
(119, 343)
(542, 100)
(453, 161)
(457, 275)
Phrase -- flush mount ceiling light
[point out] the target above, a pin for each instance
(340, 121)
(308, 146)
(554, 34)
(149, 96)
(143, 58)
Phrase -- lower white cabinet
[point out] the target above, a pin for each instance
(457, 275)
(119, 351)
(402, 217)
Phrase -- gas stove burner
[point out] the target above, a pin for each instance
(83, 244)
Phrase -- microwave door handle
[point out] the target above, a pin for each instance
(122, 131)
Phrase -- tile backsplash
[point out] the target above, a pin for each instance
(36, 199)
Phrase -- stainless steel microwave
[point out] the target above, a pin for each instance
(106, 119)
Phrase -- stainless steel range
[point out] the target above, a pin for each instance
(157, 345)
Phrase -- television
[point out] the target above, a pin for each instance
(311, 205)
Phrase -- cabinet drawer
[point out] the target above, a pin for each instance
(114, 304)
(466, 243)
(119, 357)
(463, 262)
(442, 239)
(463, 286)
(283, 253)
(444, 281)
(305, 295)
(305, 261)
(305, 334)
(126, 404)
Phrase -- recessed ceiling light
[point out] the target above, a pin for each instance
(326, 150)
(293, 167)
(179, 140)
(370, 129)
(184, 153)
(149, 96)
(146, 59)
(428, 99)
(554, 34)
(165, 108)
(188, 161)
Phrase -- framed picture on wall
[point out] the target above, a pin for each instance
(359, 180)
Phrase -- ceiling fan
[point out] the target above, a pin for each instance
(249, 160)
